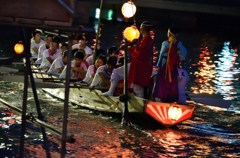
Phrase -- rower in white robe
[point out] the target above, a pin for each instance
(50, 55)
(58, 64)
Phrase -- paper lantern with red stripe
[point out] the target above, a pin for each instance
(164, 112)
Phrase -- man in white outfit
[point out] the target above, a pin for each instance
(36, 43)
(83, 40)
(58, 64)
(117, 75)
(42, 48)
(50, 55)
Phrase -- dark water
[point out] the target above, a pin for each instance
(212, 132)
(100, 134)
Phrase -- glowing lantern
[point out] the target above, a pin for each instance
(19, 48)
(131, 33)
(128, 9)
(174, 113)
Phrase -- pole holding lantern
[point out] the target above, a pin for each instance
(130, 33)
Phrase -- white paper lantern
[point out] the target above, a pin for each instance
(128, 9)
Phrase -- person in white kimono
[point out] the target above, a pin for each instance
(42, 48)
(35, 44)
(103, 73)
(92, 69)
(58, 64)
(50, 55)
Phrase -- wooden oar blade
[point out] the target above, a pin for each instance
(12, 78)
(7, 69)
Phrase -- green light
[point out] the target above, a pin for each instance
(110, 14)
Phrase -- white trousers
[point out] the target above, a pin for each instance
(182, 83)
(118, 74)
(138, 90)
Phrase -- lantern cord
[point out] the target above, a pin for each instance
(134, 20)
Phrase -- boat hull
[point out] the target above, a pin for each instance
(92, 99)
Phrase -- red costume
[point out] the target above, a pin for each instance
(142, 62)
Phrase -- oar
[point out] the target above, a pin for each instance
(7, 69)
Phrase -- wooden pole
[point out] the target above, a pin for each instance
(125, 120)
(65, 112)
(25, 95)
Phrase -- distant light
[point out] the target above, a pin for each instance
(97, 13)
(119, 19)
(110, 14)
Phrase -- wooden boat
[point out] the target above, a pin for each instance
(168, 114)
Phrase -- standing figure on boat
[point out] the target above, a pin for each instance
(141, 64)
(172, 51)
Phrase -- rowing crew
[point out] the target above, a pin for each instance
(169, 85)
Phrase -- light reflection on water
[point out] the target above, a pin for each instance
(100, 134)
(217, 72)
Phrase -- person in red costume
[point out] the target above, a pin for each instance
(141, 64)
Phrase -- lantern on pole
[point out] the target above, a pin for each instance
(19, 48)
(129, 9)
(131, 33)
(174, 113)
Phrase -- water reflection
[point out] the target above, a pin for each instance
(100, 134)
(216, 72)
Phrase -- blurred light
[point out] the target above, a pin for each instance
(174, 113)
(128, 9)
(97, 13)
(131, 33)
(110, 14)
(19, 48)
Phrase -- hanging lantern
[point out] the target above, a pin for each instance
(19, 48)
(128, 9)
(174, 113)
(131, 33)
